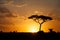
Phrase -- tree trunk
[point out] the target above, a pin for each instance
(40, 27)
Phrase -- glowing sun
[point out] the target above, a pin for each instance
(33, 28)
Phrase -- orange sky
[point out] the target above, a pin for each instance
(14, 15)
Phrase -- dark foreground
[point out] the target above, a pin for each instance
(30, 36)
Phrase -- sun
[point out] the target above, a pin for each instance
(33, 29)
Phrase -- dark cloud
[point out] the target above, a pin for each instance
(4, 12)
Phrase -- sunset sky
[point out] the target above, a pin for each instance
(14, 15)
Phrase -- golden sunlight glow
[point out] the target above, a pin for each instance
(34, 28)
(30, 26)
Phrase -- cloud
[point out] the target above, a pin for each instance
(14, 3)
(9, 19)
(4, 12)
(21, 5)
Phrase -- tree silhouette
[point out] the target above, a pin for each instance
(37, 19)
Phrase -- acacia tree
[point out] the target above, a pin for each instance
(37, 19)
